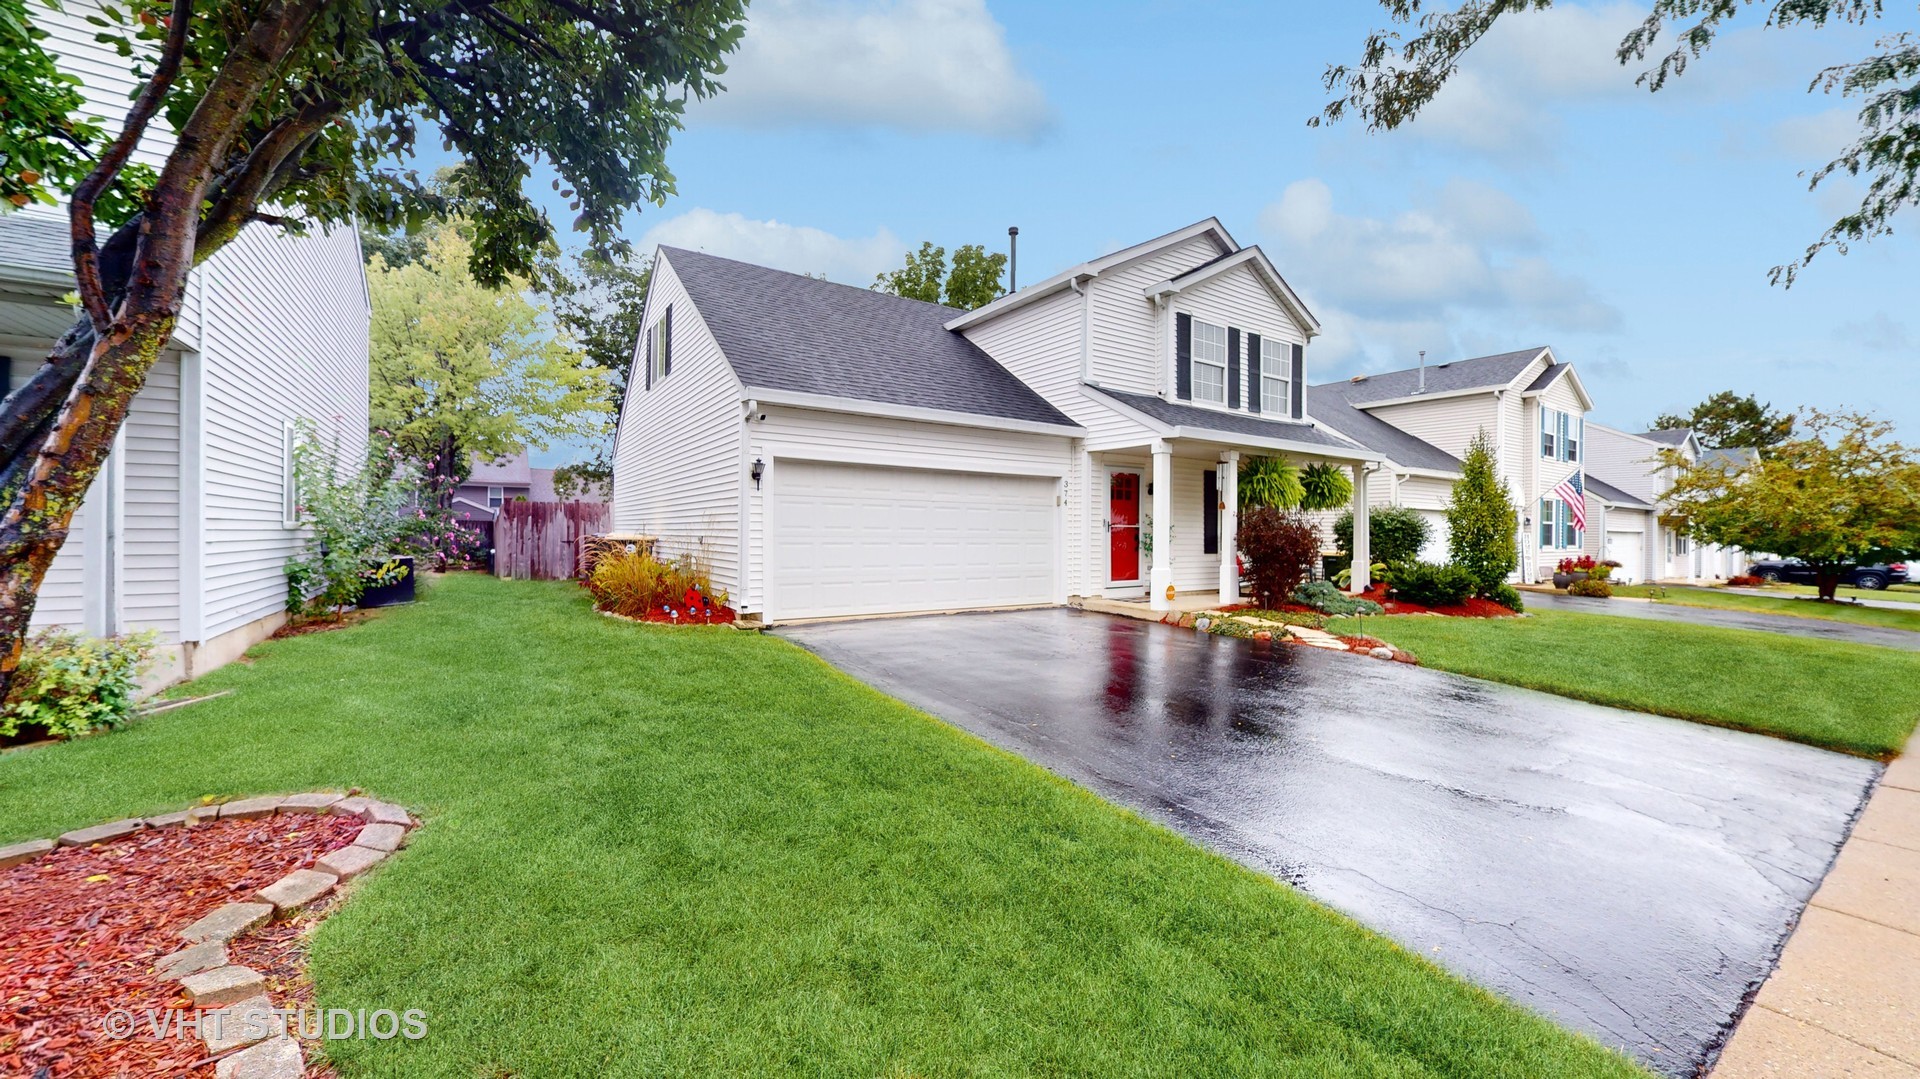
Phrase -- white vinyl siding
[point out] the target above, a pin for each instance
(1209, 362)
(150, 505)
(677, 458)
(1130, 345)
(1276, 369)
(286, 340)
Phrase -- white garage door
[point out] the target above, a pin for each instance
(1628, 549)
(862, 539)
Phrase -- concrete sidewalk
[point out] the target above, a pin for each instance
(1845, 999)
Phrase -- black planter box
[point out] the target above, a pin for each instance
(393, 592)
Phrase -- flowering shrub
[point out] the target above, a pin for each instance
(1583, 564)
(354, 517)
(68, 684)
(638, 585)
(441, 538)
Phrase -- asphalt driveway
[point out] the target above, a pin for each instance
(1820, 628)
(1627, 875)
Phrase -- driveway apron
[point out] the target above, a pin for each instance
(1790, 625)
(1627, 875)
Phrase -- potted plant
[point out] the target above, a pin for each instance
(1573, 569)
(389, 583)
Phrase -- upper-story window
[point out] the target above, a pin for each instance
(1276, 388)
(1209, 362)
(1560, 434)
(660, 347)
(495, 496)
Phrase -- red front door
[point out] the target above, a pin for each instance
(1123, 526)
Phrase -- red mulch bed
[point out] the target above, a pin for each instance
(700, 616)
(1474, 607)
(80, 928)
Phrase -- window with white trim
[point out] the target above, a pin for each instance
(1558, 531)
(660, 347)
(1209, 362)
(1276, 370)
(289, 484)
(1560, 434)
(495, 496)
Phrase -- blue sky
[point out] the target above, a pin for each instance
(1542, 200)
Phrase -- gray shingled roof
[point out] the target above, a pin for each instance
(1328, 405)
(1670, 436)
(1238, 423)
(784, 331)
(1615, 495)
(1546, 377)
(36, 243)
(1481, 372)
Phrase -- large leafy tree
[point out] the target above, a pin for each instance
(302, 113)
(1729, 421)
(463, 370)
(598, 300)
(973, 282)
(1397, 75)
(1840, 492)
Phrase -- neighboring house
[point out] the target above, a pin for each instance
(1629, 461)
(190, 523)
(831, 450)
(505, 479)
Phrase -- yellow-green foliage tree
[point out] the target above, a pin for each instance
(1843, 491)
(461, 369)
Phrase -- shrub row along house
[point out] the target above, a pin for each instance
(191, 522)
(831, 450)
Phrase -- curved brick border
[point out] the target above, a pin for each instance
(242, 1033)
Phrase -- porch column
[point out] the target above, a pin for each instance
(1362, 540)
(1229, 488)
(1161, 575)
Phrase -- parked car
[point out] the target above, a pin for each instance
(1794, 571)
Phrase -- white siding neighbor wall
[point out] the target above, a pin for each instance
(286, 340)
(150, 501)
(677, 464)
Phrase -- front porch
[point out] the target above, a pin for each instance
(1162, 516)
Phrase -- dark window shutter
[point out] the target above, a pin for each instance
(647, 360)
(1233, 368)
(1210, 513)
(666, 342)
(1183, 357)
(1299, 383)
(1253, 372)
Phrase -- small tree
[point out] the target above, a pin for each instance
(1395, 534)
(1482, 525)
(974, 281)
(1842, 492)
(1729, 421)
(1280, 549)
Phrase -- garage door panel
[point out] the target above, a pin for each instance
(858, 539)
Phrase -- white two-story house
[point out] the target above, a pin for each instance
(190, 523)
(831, 450)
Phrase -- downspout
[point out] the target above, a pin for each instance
(1086, 327)
(752, 408)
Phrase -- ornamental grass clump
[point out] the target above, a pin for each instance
(69, 684)
(638, 585)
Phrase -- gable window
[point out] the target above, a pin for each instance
(1560, 434)
(1209, 362)
(495, 496)
(1276, 391)
(660, 348)
(1549, 434)
(1570, 436)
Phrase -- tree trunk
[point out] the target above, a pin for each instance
(1827, 580)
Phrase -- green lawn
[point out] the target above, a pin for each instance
(1898, 593)
(1798, 608)
(1851, 697)
(652, 851)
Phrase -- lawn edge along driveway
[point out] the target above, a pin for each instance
(699, 851)
(1720, 599)
(1854, 698)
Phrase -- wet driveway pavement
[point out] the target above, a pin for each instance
(1625, 874)
(1792, 625)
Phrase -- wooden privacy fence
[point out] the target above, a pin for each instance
(541, 540)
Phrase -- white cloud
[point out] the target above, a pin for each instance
(1817, 138)
(912, 65)
(1458, 271)
(1881, 333)
(796, 248)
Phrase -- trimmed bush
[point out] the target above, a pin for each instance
(1507, 596)
(1325, 597)
(1280, 549)
(1592, 586)
(1432, 584)
(1394, 534)
(68, 684)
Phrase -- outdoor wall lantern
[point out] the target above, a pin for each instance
(759, 469)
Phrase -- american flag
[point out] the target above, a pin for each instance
(1574, 493)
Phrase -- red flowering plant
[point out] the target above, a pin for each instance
(1583, 564)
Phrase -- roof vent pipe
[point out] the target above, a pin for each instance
(1013, 257)
(1423, 372)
